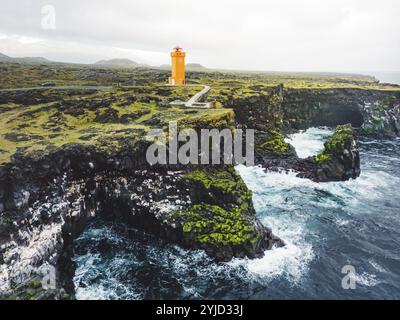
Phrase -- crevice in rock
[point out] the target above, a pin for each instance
(332, 115)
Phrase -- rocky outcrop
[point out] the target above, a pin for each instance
(374, 112)
(47, 199)
(46, 202)
(258, 111)
(339, 161)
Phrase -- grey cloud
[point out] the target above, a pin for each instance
(311, 35)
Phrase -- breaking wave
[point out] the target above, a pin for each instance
(325, 226)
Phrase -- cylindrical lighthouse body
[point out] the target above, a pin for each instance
(178, 67)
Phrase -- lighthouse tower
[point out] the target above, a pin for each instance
(178, 67)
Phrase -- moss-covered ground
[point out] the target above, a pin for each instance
(37, 120)
(34, 121)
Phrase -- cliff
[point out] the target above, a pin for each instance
(371, 112)
(374, 112)
(68, 157)
(52, 185)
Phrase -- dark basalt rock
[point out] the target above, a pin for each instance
(258, 111)
(33, 290)
(376, 113)
(340, 160)
(47, 200)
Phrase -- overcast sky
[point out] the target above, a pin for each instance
(287, 35)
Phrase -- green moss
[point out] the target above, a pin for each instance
(105, 120)
(226, 180)
(336, 144)
(210, 118)
(7, 221)
(211, 224)
(33, 290)
(36, 284)
(71, 116)
(341, 137)
(275, 142)
(322, 157)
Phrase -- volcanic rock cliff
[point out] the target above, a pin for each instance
(270, 114)
(65, 161)
(372, 112)
(45, 206)
(48, 196)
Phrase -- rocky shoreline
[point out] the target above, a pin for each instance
(47, 200)
(339, 161)
(207, 208)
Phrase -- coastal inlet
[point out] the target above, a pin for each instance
(324, 225)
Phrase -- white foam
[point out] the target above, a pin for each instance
(310, 142)
(366, 279)
(277, 193)
(341, 222)
(107, 288)
(376, 266)
(280, 208)
(292, 260)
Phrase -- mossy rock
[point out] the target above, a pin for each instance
(275, 142)
(336, 144)
(224, 183)
(211, 224)
(33, 290)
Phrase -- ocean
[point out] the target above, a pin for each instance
(387, 77)
(326, 226)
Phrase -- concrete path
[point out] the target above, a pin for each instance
(197, 96)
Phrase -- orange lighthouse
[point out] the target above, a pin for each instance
(178, 67)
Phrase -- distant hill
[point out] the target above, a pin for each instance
(33, 60)
(111, 63)
(4, 58)
(27, 60)
(189, 67)
(118, 63)
(195, 67)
